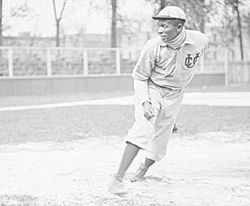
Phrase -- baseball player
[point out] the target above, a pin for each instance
(165, 67)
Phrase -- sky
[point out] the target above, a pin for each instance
(78, 16)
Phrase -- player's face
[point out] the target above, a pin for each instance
(168, 30)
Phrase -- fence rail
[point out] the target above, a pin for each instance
(40, 61)
(58, 61)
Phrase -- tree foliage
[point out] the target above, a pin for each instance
(19, 11)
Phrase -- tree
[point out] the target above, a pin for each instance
(109, 8)
(235, 7)
(58, 19)
(113, 23)
(1, 22)
(247, 22)
(233, 22)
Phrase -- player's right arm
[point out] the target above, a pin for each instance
(141, 92)
(141, 74)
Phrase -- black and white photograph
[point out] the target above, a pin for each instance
(124, 102)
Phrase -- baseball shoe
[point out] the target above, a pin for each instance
(140, 173)
(117, 187)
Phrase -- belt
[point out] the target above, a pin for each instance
(165, 91)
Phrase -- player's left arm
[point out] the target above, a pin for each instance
(205, 44)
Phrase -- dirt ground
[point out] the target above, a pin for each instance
(199, 170)
(67, 156)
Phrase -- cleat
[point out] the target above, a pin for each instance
(140, 173)
(117, 187)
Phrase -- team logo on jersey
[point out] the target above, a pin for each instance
(191, 60)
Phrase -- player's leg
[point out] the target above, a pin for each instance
(156, 150)
(142, 170)
(156, 101)
(163, 129)
(137, 138)
(157, 146)
(117, 187)
(129, 154)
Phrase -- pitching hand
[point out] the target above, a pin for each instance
(148, 110)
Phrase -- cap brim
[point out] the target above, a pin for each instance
(166, 17)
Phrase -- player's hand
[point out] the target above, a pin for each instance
(148, 110)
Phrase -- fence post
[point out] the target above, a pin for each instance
(10, 62)
(118, 61)
(49, 71)
(85, 61)
(226, 69)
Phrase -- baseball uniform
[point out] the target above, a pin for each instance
(160, 76)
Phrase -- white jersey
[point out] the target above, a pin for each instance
(167, 68)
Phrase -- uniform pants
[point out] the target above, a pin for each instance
(153, 135)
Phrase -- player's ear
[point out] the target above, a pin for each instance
(179, 26)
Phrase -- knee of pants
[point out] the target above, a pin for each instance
(154, 156)
(140, 133)
(157, 150)
(157, 146)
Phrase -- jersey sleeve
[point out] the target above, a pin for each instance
(142, 71)
(141, 91)
(145, 63)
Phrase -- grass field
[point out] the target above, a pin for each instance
(66, 156)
